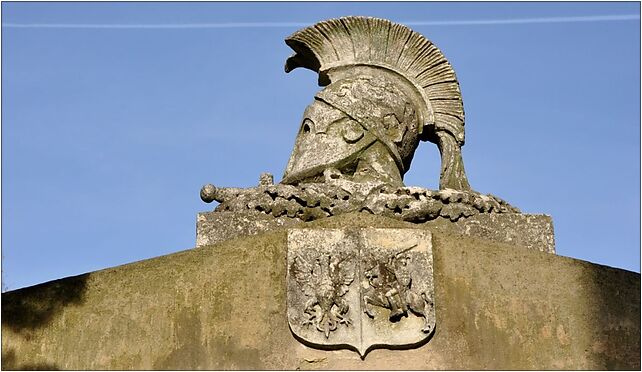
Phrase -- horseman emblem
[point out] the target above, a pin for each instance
(360, 288)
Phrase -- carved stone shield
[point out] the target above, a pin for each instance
(360, 288)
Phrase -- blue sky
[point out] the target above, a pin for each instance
(108, 131)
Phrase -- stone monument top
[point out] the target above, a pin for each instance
(386, 88)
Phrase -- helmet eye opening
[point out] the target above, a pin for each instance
(307, 126)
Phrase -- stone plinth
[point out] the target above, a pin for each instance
(498, 306)
(216, 227)
(532, 231)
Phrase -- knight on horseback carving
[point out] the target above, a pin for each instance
(390, 287)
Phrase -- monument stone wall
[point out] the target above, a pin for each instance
(497, 306)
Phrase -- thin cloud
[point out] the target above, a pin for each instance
(474, 22)
(161, 25)
(601, 18)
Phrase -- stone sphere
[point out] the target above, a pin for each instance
(208, 193)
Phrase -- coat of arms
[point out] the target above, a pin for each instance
(360, 289)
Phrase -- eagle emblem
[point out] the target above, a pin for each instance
(360, 288)
(324, 281)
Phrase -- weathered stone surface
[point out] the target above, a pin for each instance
(212, 228)
(521, 230)
(497, 307)
(360, 288)
(531, 231)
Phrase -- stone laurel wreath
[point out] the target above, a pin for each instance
(309, 202)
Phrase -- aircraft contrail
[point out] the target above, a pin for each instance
(471, 22)
(159, 25)
(599, 18)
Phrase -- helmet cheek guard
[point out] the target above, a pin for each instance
(328, 138)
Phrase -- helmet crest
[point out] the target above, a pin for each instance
(348, 46)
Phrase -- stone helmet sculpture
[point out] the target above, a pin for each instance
(386, 88)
